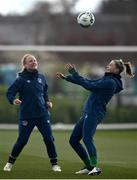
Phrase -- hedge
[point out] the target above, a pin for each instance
(66, 109)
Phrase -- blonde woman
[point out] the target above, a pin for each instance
(33, 100)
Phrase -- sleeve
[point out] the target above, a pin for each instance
(13, 90)
(91, 85)
(71, 78)
(46, 91)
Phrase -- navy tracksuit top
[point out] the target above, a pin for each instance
(32, 89)
(101, 89)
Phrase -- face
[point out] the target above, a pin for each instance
(31, 63)
(111, 68)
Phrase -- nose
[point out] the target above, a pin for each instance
(34, 62)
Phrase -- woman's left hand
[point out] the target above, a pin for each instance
(49, 104)
(71, 68)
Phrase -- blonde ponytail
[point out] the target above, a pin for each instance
(129, 69)
(121, 65)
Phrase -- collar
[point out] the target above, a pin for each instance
(30, 74)
(118, 76)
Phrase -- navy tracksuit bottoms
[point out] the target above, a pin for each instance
(85, 129)
(25, 129)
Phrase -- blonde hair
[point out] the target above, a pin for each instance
(124, 65)
(23, 60)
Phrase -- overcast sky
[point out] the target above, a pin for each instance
(21, 6)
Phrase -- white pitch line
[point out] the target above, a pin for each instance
(60, 126)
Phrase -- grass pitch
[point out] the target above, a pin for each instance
(117, 154)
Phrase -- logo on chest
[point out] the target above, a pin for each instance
(39, 80)
(28, 81)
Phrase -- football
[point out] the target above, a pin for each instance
(86, 19)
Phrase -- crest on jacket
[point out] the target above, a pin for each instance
(39, 80)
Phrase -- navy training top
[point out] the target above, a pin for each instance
(101, 89)
(32, 89)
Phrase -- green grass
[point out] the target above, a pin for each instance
(117, 152)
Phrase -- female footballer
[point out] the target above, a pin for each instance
(94, 110)
(34, 103)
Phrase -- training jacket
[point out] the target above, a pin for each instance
(32, 89)
(101, 89)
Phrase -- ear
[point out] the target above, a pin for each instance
(25, 65)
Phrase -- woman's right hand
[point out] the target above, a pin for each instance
(17, 102)
(60, 75)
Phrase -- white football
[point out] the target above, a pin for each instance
(86, 19)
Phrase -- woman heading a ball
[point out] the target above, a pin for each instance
(94, 110)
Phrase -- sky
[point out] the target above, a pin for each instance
(22, 6)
